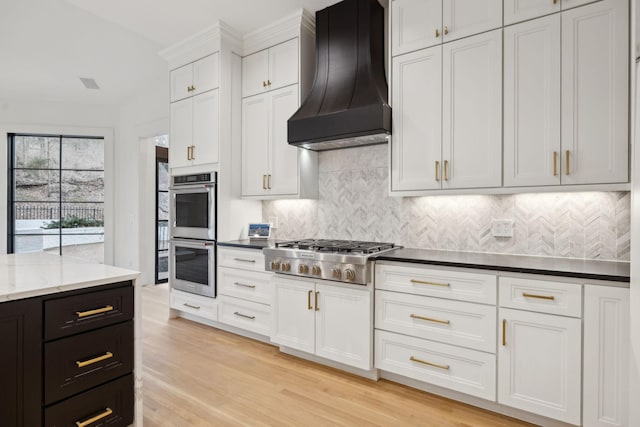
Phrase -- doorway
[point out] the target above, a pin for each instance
(162, 215)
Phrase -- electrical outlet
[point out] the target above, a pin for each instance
(502, 227)
(274, 221)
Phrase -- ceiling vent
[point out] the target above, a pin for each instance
(89, 83)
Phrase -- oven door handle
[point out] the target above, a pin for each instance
(191, 242)
(192, 188)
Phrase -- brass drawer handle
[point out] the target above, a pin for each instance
(85, 423)
(107, 355)
(425, 282)
(567, 158)
(246, 316)
(555, 163)
(437, 33)
(437, 170)
(104, 309)
(424, 362)
(445, 168)
(547, 297)
(430, 319)
(268, 182)
(504, 332)
(309, 300)
(317, 306)
(195, 307)
(244, 285)
(244, 260)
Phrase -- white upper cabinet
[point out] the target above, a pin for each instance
(532, 102)
(270, 69)
(283, 164)
(417, 24)
(195, 78)
(255, 144)
(595, 93)
(417, 120)
(181, 133)
(521, 10)
(472, 112)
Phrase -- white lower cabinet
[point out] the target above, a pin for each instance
(197, 305)
(330, 321)
(539, 364)
(606, 349)
(243, 314)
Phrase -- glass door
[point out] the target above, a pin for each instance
(162, 215)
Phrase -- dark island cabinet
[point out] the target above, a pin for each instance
(21, 363)
(67, 359)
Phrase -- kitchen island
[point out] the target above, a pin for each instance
(71, 331)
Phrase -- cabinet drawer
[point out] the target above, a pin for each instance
(249, 285)
(194, 304)
(452, 322)
(83, 312)
(83, 361)
(467, 371)
(458, 285)
(541, 296)
(246, 315)
(246, 259)
(114, 400)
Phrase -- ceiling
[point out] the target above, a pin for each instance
(47, 45)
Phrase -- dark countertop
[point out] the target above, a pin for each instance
(250, 244)
(566, 267)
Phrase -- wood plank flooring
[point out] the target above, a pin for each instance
(195, 375)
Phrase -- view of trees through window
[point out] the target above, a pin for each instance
(57, 203)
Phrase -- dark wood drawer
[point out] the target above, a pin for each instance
(80, 313)
(113, 401)
(77, 363)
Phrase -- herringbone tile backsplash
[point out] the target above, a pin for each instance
(354, 204)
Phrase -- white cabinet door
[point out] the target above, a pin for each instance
(567, 4)
(255, 73)
(255, 144)
(206, 119)
(606, 349)
(462, 18)
(283, 169)
(532, 103)
(417, 120)
(472, 112)
(283, 64)
(205, 74)
(181, 80)
(293, 314)
(595, 93)
(521, 10)
(539, 367)
(415, 24)
(181, 133)
(344, 325)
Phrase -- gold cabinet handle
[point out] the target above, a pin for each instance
(437, 33)
(269, 83)
(188, 88)
(268, 182)
(547, 297)
(446, 30)
(567, 159)
(246, 316)
(193, 87)
(555, 1)
(317, 307)
(195, 307)
(264, 84)
(555, 163)
(445, 168)
(104, 309)
(85, 423)
(264, 182)
(244, 285)
(429, 319)
(437, 171)
(504, 332)
(425, 282)
(82, 364)
(309, 300)
(424, 362)
(193, 152)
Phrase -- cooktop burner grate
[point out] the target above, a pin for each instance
(337, 246)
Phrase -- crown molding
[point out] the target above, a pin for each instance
(282, 30)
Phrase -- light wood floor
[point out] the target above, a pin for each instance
(195, 375)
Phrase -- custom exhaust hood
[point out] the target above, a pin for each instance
(347, 105)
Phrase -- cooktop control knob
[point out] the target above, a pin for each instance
(350, 274)
(336, 273)
(286, 266)
(275, 265)
(303, 269)
(315, 270)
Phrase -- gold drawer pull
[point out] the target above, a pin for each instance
(437, 170)
(309, 300)
(424, 362)
(567, 158)
(547, 297)
(317, 306)
(246, 316)
(244, 285)
(104, 309)
(504, 332)
(424, 282)
(430, 319)
(106, 413)
(555, 163)
(107, 355)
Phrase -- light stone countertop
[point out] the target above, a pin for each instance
(34, 274)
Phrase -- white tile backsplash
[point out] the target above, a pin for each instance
(354, 203)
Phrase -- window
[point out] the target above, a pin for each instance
(56, 198)
(162, 215)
